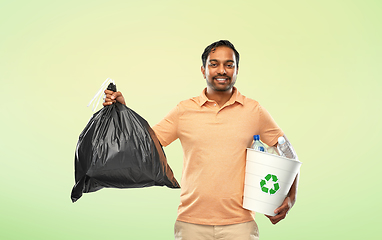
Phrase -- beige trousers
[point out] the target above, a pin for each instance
(241, 231)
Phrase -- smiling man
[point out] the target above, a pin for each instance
(220, 68)
(215, 129)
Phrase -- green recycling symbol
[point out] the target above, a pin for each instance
(275, 187)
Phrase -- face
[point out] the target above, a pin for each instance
(221, 70)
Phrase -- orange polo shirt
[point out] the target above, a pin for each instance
(214, 141)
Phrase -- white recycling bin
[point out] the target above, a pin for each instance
(268, 179)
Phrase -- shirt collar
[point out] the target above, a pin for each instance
(236, 97)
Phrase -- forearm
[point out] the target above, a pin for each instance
(288, 202)
(292, 194)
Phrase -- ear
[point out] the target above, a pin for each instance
(203, 71)
(237, 70)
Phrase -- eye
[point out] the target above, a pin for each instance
(213, 64)
(229, 65)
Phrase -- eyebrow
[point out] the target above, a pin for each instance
(211, 60)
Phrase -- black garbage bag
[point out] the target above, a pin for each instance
(118, 149)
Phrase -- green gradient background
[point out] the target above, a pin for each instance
(315, 66)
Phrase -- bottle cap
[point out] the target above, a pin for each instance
(281, 140)
(256, 137)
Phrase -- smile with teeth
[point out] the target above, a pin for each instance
(221, 80)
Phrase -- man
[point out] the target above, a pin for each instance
(215, 129)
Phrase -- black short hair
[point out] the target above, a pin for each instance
(214, 45)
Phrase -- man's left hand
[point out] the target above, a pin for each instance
(281, 211)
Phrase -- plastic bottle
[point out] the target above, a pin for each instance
(257, 144)
(285, 150)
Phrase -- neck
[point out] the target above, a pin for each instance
(220, 97)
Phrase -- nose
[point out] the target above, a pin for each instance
(221, 69)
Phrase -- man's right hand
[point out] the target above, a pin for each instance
(112, 97)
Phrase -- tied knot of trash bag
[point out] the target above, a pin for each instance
(118, 149)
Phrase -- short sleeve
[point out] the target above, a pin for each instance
(269, 130)
(167, 129)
